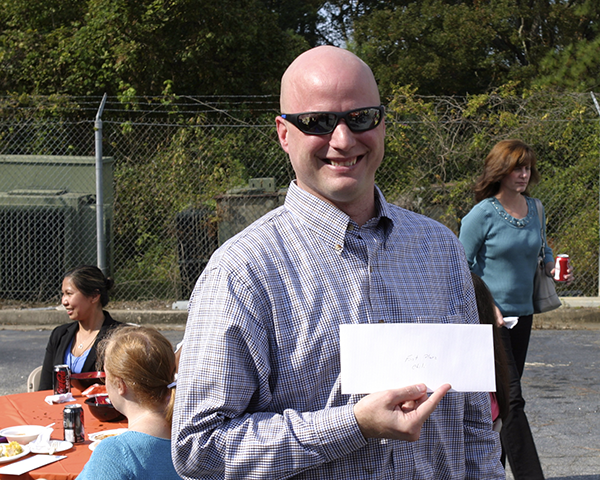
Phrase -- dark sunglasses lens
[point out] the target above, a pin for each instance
(363, 119)
(316, 123)
(323, 123)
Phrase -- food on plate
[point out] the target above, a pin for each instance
(97, 438)
(10, 449)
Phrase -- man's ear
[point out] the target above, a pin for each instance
(282, 133)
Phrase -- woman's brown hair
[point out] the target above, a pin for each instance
(144, 359)
(502, 160)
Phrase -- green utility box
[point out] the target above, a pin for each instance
(239, 207)
(48, 221)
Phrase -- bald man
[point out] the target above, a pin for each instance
(259, 394)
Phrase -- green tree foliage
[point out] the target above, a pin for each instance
(302, 17)
(575, 64)
(96, 46)
(449, 47)
(440, 47)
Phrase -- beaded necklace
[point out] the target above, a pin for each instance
(517, 222)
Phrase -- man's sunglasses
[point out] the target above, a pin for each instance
(323, 123)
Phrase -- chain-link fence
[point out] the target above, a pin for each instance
(183, 174)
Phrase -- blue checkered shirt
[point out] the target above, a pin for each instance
(258, 393)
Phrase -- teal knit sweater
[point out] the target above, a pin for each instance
(129, 456)
(503, 251)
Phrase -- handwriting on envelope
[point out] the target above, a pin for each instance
(382, 356)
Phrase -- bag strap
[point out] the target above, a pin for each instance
(540, 208)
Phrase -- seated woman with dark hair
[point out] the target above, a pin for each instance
(140, 380)
(84, 296)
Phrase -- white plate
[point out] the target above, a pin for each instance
(98, 435)
(16, 457)
(59, 446)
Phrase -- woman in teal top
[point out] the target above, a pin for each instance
(503, 251)
(501, 236)
(140, 371)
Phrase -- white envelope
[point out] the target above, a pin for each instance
(384, 356)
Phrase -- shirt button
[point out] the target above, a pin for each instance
(381, 321)
(338, 248)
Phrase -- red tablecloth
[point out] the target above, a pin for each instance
(31, 409)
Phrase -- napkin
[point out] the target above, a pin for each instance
(31, 463)
(43, 443)
(510, 322)
(61, 398)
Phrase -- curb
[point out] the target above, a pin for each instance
(576, 313)
(52, 316)
(565, 318)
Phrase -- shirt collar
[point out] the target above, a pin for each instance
(328, 221)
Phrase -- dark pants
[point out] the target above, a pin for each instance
(517, 441)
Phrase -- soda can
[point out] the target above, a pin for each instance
(61, 379)
(561, 267)
(73, 423)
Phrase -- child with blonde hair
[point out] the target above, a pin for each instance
(140, 377)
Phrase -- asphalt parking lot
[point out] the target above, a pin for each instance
(562, 390)
(561, 386)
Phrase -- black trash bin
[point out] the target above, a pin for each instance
(196, 241)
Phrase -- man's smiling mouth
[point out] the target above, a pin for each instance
(346, 163)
